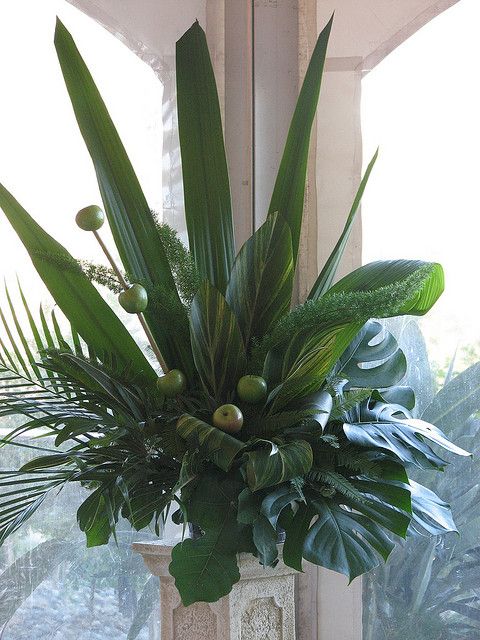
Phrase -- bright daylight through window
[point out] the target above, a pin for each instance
(421, 105)
(51, 585)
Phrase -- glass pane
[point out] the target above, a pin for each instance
(51, 586)
(421, 106)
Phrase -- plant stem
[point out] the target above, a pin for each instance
(123, 282)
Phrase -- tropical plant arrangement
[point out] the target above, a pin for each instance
(266, 419)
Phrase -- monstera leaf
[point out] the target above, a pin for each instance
(206, 569)
(405, 439)
(217, 342)
(372, 366)
(325, 533)
(430, 513)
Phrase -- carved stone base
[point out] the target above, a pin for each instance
(261, 605)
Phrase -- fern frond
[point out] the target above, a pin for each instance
(185, 274)
(344, 403)
(335, 481)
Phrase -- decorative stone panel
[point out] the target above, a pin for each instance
(261, 606)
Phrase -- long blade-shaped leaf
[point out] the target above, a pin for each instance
(205, 177)
(325, 279)
(129, 215)
(74, 293)
(289, 188)
(260, 288)
(217, 342)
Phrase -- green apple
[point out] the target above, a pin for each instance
(228, 418)
(172, 384)
(90, 218)
(252, 389)
(134, 299)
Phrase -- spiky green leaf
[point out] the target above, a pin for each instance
(208, 208)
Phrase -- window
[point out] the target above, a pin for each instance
(421, 105)
(51, 586)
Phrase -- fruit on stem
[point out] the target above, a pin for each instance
(252, 389)
(172, 384)
(145, 327)
(134, 299)
(228, 418)
(90, 218)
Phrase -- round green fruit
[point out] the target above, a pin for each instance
(252, 389)
(134, 299)
(228, 418)
(90, 218)
(172, 384)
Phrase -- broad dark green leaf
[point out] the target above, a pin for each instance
(274, 464)
(217, 343)
(386, 503)
(296, 531)
(129, 215)
(260, 287)
(289, 190)
(386, 363)
(344, 541)
(74, 293)
(208, 208)
(206, 569)
(327, 275)
(275, 502)
(220, 447)
(94, 518)
(404, 438)
(265, 539)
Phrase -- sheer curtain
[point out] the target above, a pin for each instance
(421, 106)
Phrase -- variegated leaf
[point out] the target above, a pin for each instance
(260, 287)
(217, 343)
(222, 448)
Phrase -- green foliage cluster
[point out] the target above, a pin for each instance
(323, 458)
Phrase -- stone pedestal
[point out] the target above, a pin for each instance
(261, 606)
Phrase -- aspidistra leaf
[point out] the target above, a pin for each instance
(217, 343)
(131, 221)
(325, 279)
(260, 287)
(208, 208)
(289, 190)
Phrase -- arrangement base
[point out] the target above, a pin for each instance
(261, 605)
